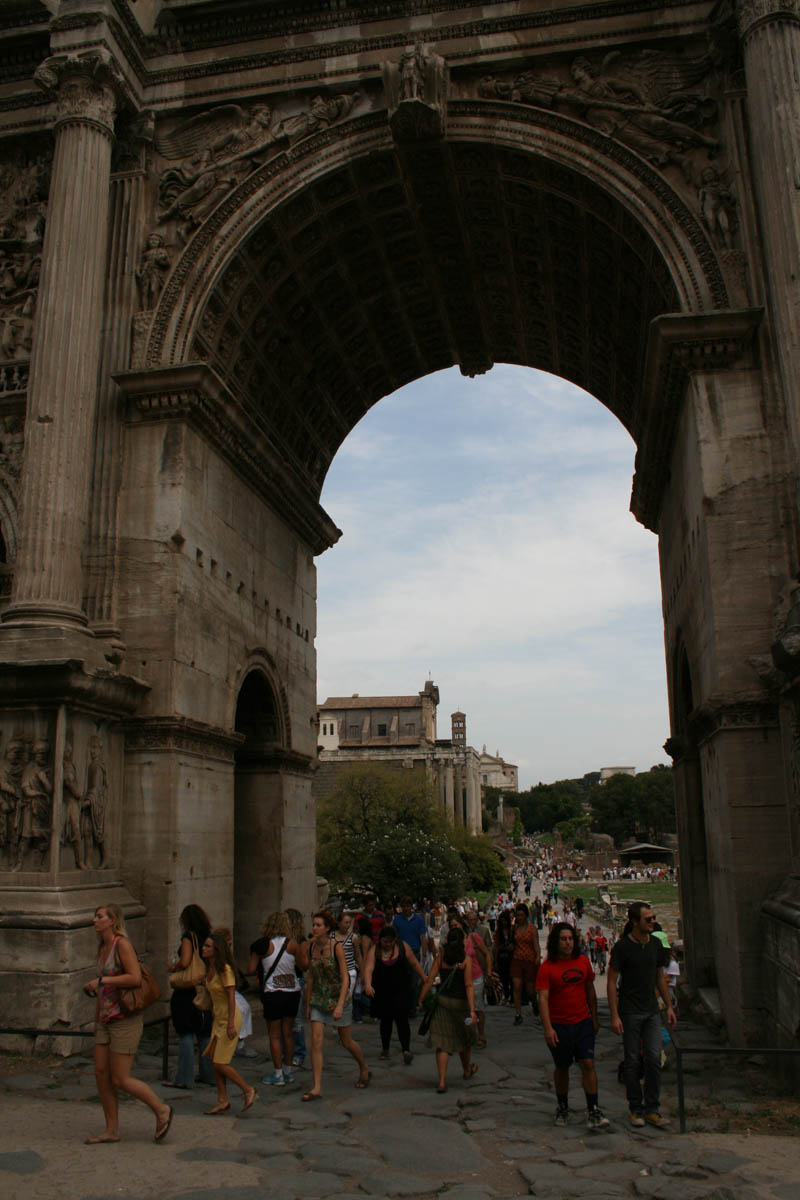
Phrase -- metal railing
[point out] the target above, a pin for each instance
(83, 1033)
(746, 1051)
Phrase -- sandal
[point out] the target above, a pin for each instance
(217, 1110)
(99, 1141)
(441, 1090)
(311, 1096)
(472, 1069)
(364, 1080)
(163, 1129)
(249, 1103)
(168, 1083)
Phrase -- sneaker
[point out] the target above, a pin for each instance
(637, 1119)
(276, 1079)
(656, 1119)
(562, 1116)
(288, 1077)
(518, 1019)
(596, 1120)
(297, 1061)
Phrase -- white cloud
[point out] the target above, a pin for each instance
(487, 539)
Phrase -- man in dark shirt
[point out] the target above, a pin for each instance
(640, 959)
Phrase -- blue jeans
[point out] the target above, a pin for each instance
(642, 1035)
(184, 1074)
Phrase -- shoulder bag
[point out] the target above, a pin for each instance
(137, 999)
(194, 974)
(431, 1001)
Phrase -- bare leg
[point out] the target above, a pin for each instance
(122, 1079)
(287, 1034)
(561, 1081)
(517, 984)
(107, 1094)
(588, 1075)
(274, 1028)
(481, 1015)
(317, 1041)
(442, 1060)
(346, 1038)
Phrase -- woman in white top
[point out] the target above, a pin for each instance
(274, 955)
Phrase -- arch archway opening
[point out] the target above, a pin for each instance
(258, 807)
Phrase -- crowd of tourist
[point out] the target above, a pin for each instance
(386, 964)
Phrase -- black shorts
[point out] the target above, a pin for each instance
(575, 1042)
(280, 1005)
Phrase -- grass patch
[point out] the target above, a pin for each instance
(651, 893)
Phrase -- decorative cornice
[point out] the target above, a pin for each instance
(192, 392)
(70, 681)
(181, 734)
(721, 716)
(276, 759)
(679, 344)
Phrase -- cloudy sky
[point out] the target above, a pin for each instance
(488, 545)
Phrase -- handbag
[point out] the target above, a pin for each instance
(191, 976)
(493, 989)
(202, 998)
(137, 999)
(431, 1002)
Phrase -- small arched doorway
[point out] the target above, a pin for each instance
(258, 808)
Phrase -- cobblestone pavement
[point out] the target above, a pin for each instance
(492, 1136)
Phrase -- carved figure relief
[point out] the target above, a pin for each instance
(34, 808)
(216, 150)
(416, 94)
(11, 768)
(73, 803)
(717, 206)
(648, 100)
(23, 191)
(152, 270)
(93, 816)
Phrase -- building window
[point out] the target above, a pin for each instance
(381, 731)
(353, 731)
(410, 727)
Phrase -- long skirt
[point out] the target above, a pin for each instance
(448, 1031)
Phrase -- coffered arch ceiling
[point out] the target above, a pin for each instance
(387, 269)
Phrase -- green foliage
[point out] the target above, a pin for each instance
(635, 806)
(574, 831)
(483, 869)
(386, 830)
(542, 807)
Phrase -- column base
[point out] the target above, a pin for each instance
(33, 613)
(48, 950)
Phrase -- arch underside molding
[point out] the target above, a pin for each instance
(348, 266)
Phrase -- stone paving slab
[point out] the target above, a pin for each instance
(479, 1141)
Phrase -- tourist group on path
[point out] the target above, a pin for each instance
(386, 963)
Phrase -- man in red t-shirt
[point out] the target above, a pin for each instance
(568, 1008)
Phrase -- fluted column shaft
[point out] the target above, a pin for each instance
(48, 578)
(771, 45)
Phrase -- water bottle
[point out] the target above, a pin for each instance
(467, 1020)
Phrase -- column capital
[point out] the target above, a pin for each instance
(88, 87)
(752, 13)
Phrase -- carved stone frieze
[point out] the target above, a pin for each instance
(719, 716)
(655, 102)
(216, 150)
(24, 180)
(416, 89)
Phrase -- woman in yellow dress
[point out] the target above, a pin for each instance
(221, 984)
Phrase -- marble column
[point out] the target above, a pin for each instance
(449, 793)
(770, 31)
(62, 394)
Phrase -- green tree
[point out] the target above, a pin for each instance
(516, 833)
(386, 830)
(635, 806)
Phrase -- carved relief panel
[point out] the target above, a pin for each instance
(24, 179)
(70, 807)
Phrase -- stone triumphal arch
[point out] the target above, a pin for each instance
(229, 228)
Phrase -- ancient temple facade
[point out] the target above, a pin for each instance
(228, 228)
